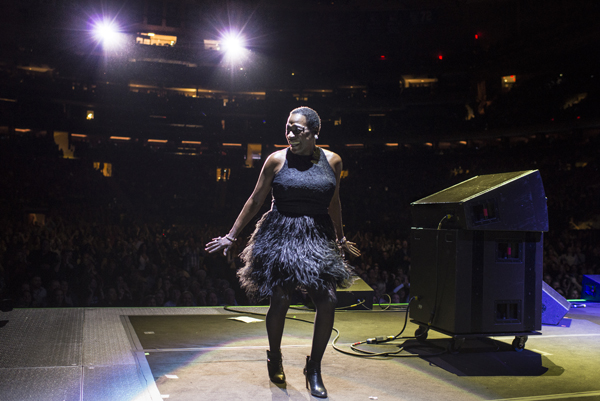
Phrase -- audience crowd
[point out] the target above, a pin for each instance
(71, 237)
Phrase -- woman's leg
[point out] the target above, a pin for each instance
(325, 301)
(275, 320)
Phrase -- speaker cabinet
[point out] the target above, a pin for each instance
(497, 202)
(471, 282)
(554, 305)
(590, 287)
(476, 256)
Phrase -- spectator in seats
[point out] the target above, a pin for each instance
(143, 258)
(149, 300)
(174, 254)
(557, 288)
(379, 295)
(44, 261)
(69, 296)
(159, 297)
(574, 294)
(401, 286)
(404, 257)
(66, 268)
(174, 295)
(94, 295)
(166, 284)
(122, 285)
(200, 275)
(25, 300)
(18, 271)
(385, 278)
(53, 285)
(112, 298)
(184, 283)
(38, 292)
(201, 298)
(125, 296)
(187, 299)
(57, 299)
(229, 297)
(402, 295)
(212, 299)
(191, 256)
(151, 278)
(386, 262)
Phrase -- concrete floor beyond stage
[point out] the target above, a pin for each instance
(202, 354)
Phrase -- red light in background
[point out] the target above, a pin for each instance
(382, 57)
(440, 57)
(476, 36)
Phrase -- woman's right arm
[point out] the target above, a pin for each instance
(252, 205)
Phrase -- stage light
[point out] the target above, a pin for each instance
(108, 33)
(233, 44)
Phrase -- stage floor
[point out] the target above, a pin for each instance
(201, 353)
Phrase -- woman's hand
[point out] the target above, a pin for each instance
(351, 248)
(217, 244)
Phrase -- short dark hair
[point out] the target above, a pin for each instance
(313, 121)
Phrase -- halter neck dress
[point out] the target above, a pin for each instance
(293, 245)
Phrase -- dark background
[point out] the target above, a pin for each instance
(358, 63)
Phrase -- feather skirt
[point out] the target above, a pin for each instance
(292, 252)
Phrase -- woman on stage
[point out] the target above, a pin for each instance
(299, 243)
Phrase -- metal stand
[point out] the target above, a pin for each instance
(458, 340)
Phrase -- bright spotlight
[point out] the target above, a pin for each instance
(234, 46)
(108, 33)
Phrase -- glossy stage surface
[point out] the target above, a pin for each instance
(204, 354)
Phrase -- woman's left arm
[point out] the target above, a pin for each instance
(335, 207)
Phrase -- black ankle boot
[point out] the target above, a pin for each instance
(275, 366)
(312, 372)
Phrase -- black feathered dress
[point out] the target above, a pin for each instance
(293, 245)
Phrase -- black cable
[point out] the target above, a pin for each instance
(381, 340)
(361, 303)
(357, 351)
(389, 303)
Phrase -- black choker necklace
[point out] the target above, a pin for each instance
(301, 162)
(315, 156)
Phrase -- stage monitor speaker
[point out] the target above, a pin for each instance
(590, 287)
(358, 296)
(496, 202)
(476, 282)
(554, 305)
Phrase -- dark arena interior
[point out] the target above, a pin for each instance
(133, 132)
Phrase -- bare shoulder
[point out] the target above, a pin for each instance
(333, 158)
(275, 161)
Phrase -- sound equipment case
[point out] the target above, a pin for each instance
(476, 258)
